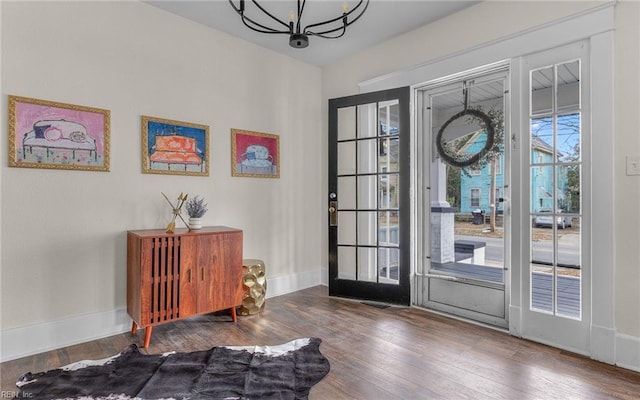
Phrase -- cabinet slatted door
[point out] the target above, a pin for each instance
(161, 276)
(173, 276)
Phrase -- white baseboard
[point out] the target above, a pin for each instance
(37, 338)
(628, 352)
(280, 285)
(603, 344)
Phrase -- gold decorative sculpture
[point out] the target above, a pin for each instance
(254, 288)
(177, 209)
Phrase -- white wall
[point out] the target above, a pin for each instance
(63, 261)
(488, 22)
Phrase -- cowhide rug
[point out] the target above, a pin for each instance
(287, 371)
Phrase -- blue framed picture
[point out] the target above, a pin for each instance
(174, 147)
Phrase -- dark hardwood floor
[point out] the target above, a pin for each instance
(392, 353)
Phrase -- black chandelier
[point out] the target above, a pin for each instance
(298, 37)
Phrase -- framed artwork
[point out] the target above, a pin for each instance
(174, 147)
(47, 134)
(255, 154)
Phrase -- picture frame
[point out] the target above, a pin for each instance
(54, 135)
(174, 147)
(255, 154)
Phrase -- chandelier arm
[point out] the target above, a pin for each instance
(325, 34)
(341, 17)
(256, 26)
(271, 15)
(262, 28)
(300, 10)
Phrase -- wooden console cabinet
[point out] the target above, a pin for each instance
(174, 276)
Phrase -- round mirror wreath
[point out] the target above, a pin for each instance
(486, 122)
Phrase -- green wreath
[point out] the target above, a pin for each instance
(487, 124)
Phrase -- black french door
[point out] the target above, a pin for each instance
(368, 198)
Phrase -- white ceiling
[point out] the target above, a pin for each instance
(384, 19)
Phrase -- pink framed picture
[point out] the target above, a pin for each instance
(255, 154)
(47, 134)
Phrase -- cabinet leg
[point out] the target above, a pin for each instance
(147, 336)
(234, 317)
(134, 328)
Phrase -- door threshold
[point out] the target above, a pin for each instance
(463, 319)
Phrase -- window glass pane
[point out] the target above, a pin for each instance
(367, 156)
(367, 262)
(346, 158)
(541, 140)
(346, 123)
(367, 228)
(388, 234)
(542, 91)
(542, 189)
(568, 141)
(388, 265)
(367, 192)
(568, 86)
(569, 188)
(388, 191)
(388, 160)
(367, 120)
(475, 197)
(346, 262)
(346, 227)
(346, 193)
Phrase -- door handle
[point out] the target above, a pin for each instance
(333, 213)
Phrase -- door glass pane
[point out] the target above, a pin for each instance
(346, 193)
(367, 192)
(367, 262)
(346, 158)
(367, 117)
(367, 228)
(542, 90)
(541, 140)
(388, 228)
(542, 244)
(542, 288)
(569, 269)
(367, 156)
(388, 265)
(568, 128)
(388, 191)
(346, 262)
(388, 149)
(568, 86)
(542, 192)
(389, 116)
(346, 227)
(346, 123)
(569, 188)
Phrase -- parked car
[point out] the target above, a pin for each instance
(546, 220)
